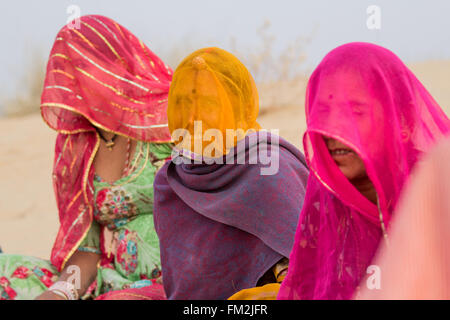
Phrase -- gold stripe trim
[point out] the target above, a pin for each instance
(132, 110)
(66, 107)
(63, 72)
(119, 93)
(62, 131)
(73, 200)
(59, 87)
(91, 160)
(73, 163)
(65, 89)
(106, 42)
(65, 238)
(146, 53)
(106, 70)
(70, 253)
(137, 174)
(138, 156)
(120, 30)
(106, 27)
(78, 33)
(70, 145)
(60, 154)
(149, 58)
(91, 213)
(65, 144)
(140, 62)
(60, 55)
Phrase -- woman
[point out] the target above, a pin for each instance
(105, 93)
(369, 120)
(223, 221)
(417, 267)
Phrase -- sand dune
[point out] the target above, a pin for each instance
(28, 215)
(435, 76)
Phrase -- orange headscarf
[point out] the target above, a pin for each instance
(212, 86)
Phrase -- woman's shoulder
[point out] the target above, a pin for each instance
(158, 153)
(160, 150)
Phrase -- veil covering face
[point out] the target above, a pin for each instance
(212, 87)
(223, 225)
(362, 95)
(97, 75)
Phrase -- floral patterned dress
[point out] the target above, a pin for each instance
(123, 220)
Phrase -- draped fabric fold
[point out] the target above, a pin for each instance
(222, 226)
(153, 292)
(97, 75)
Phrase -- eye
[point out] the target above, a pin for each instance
(322, 107)
(358, 110)
(207, 103)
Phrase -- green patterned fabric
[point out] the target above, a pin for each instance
(24, 278)
(124, 212)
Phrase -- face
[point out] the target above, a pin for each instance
(348, 161)
(197, 99)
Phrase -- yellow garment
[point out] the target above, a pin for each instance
(268, 291)
(214, 87)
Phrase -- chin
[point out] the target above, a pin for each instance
(347, 173)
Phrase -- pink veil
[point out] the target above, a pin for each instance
(364, 96)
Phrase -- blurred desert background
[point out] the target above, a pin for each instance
(28, 215)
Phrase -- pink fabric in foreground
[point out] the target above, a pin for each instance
(364, 96)
(415, 264)
(153, 292)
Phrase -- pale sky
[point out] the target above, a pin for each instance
(414, 29)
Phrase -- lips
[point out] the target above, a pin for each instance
(340, 152)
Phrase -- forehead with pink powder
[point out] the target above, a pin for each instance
(350, 95)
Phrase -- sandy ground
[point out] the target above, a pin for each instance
(28, 216)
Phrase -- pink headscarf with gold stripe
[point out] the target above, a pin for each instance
(102, 75)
